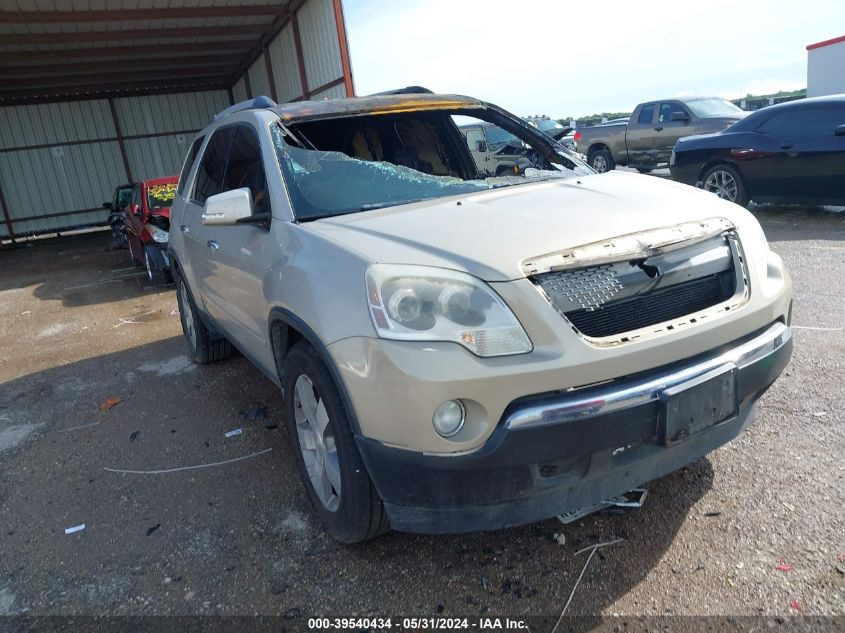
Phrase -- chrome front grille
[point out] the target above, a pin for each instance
(614, 299)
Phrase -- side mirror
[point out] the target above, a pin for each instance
(107, 205)
(839, 130)
(679, 116)
(135, 209)
(480, 146)
(228, 208)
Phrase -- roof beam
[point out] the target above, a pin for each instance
(103, 80)
(225, 63)
(133, 34)
(111, 90)
(55, 17)
(69, 55)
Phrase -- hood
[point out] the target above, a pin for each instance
(489, 234)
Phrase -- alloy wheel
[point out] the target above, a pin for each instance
(600, 164)
(317, 442)
(723, 184)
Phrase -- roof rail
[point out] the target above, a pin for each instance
(250, 104)
(410, 90)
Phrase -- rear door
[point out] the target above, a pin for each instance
(667, 132)
(807, 159)
(639, 136)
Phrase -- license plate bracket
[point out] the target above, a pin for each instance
(698, 404)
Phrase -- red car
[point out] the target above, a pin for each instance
(147, 221)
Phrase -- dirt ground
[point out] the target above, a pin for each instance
(77, 327)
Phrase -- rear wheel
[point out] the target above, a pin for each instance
(726, 182)
(601, 160)
(204, 348)
(332, 470)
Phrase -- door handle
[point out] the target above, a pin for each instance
(184, 228)
(213, 245)
(658, 129)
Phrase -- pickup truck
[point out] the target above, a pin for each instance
(646, 140)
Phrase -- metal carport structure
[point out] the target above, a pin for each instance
(95, 93)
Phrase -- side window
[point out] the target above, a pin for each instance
(812, 122)
(136, 196)
(245, 168)
(646, 114)
(667, 109)
(209, 180)
(189, 162)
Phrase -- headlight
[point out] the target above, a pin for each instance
(418, 303)
(159, 235)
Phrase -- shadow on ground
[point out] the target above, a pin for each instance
(239, 538)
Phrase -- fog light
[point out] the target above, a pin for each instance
(449, 418)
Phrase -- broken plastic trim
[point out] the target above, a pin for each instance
(631, 499)
(640, 245)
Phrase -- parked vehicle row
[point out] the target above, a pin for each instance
(646, 139)
(139, 218)
(460, 350)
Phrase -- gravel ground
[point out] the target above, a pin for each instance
(77, 327)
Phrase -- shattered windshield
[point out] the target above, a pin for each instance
(323, 183)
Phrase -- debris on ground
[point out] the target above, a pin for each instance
(783, 566)
(819, 414)
(134, 435)
(796, 605)
(75, 528)
(110, 403)
(592, 549)
(560, 537)
(715, 513)
(153, 528)
(270, 427)
(233, 432)
(254, 412)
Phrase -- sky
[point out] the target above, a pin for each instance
(564, 58)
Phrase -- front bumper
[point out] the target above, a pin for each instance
(555, 453)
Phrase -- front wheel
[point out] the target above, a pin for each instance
(602, 160)
(726, 182)
(331, 468)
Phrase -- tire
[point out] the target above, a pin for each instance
(204, 349)
(644, 170)
(156, 266)
(347, 503)
(727, 183)
(601, 160)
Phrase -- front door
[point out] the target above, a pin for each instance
(477, 143)
(236, 280)
(667, 132)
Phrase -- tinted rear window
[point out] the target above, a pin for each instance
(646, 114)
(189, 162)
(810, 122)
(210, 172)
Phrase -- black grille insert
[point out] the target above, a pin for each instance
(662, 305)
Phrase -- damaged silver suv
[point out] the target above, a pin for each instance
(459, 351)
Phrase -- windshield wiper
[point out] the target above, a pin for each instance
(382, 205)
(364, 207)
